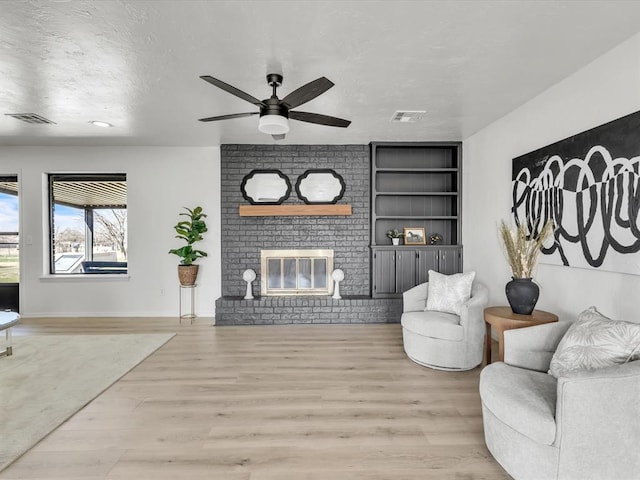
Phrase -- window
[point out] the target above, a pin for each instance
(9, 258)
(88, 226)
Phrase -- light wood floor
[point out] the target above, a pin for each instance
(268, 403)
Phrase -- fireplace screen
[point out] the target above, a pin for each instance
(296, 272)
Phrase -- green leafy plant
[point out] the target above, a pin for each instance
(522, 247)
(190, 231)
(394, 233)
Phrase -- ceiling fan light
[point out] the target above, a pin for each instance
(273, 124)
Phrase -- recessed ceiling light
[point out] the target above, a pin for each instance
(98, 123)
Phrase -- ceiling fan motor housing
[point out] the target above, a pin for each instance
(273, 106)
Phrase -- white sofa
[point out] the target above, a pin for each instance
(444, 341)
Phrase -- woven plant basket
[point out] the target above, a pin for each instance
(188, 274)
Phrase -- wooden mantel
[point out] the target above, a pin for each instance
(293, 210)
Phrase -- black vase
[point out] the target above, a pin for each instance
(522, 294)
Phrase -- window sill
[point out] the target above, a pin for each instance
(61, 277)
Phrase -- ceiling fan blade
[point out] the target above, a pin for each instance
(307, 92)
(233, 90)
(278, 137)
(319, 119)
(228, 117)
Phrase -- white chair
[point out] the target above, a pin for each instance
(444, 341)
(582, 426)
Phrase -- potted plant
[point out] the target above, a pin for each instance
(522, 248)
(395, 236)
(190, 231)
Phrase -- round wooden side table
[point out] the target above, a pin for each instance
(503, 318)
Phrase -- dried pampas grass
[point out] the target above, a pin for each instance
(522, 247)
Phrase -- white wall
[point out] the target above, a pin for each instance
(602, 91)
(160, 181)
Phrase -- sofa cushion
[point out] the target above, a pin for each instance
(595, 341)
(441, 325)
(448, 293)
(525, 400)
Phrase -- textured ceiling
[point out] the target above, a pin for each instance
(136, 64)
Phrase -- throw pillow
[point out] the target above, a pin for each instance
(595, 341)
(448, 293)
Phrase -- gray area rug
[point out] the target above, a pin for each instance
(50, 377)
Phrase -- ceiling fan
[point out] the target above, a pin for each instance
(275, 113)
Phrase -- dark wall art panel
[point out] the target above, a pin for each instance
(588, 184)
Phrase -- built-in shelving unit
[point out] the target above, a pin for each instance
(414, 185)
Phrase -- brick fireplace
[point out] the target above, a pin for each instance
(243, 238)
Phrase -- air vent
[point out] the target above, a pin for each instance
(30, 118)
(408, 116)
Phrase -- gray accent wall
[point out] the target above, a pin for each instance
(348, 236)
(244, 237)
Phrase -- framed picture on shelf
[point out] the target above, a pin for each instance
(415, 236)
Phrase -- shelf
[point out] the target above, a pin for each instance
(416, 217)
(415, 170)
(418, 194)
(293, 210)
(388, 246)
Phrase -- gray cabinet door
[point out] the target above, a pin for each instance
(405, 270)
(450, 260)
(396, 270)
(384, 272)
(427, 260)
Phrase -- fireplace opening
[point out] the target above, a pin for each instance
(296, 272)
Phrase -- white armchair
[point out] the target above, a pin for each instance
(444, 341)
(582, 426)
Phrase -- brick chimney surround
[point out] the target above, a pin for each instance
(348, 236)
